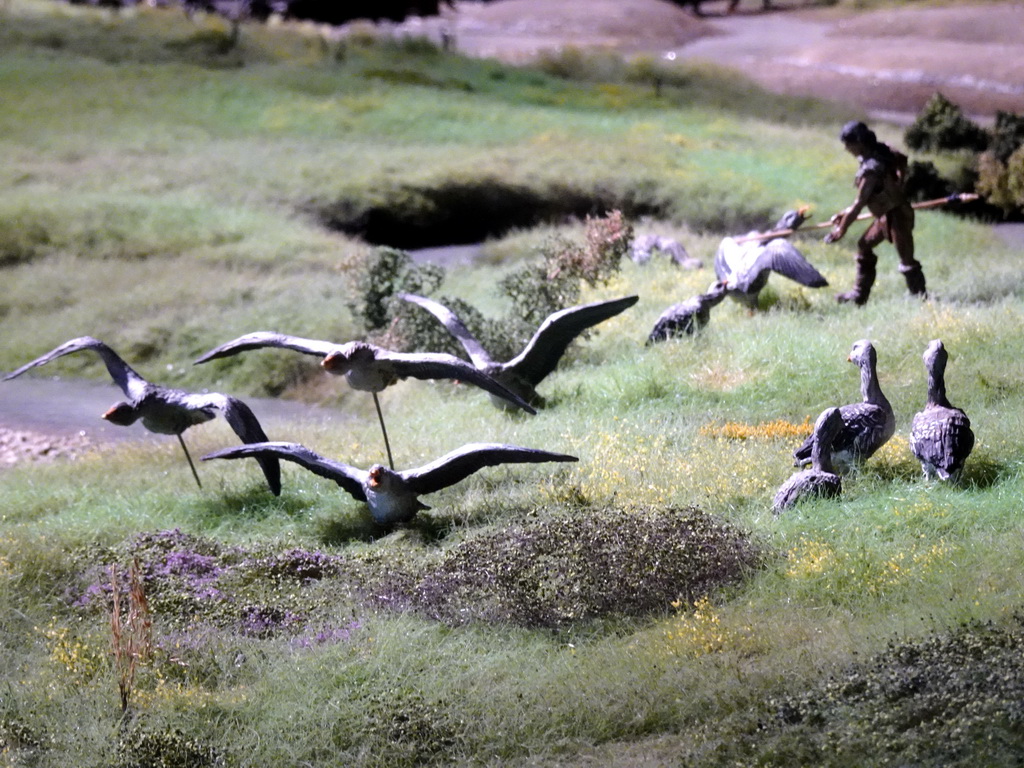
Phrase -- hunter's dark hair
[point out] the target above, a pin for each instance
(856, 131)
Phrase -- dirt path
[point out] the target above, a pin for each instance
(889, 62)
(44, 418)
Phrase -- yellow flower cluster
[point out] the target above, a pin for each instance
(699, 632)
(855, 573)
(922, 509)
(955, 325)
(766, 430)
(74, 655)
(624, 462)
(728, 470)
(809, 558)
(915, 563)
(896, 452)
(184, 695)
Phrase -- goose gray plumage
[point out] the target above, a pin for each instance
(940, 435)
(393, 497)
(867, 425)
(542, 353)
(687, 317)
(744, 264)
(163, 410)
(820, 480)
(370, 368)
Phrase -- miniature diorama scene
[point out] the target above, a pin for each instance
(511, 383)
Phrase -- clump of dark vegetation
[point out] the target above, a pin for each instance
(191, 581)
(570, 568)
(587, 565)
(1001, 168)
(409, 728)
(990, 161)
(953, 699)
(16, 736)
(170, 748)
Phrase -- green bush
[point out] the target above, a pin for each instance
(1007, 135)
(941, 125)
(386, 272)
(536, 291)
(539, 289)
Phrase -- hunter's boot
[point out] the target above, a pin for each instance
(862, 283)
(915, 281)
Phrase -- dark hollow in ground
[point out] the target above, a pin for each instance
(457, 213)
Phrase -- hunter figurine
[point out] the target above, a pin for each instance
(880, 188)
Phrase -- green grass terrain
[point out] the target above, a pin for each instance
(165, 193)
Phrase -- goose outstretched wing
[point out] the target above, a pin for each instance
(435, 365)
(130, 382)
(545, 349)
(245, 424)
(463, 462)
(261, 339)
(782, 256)
(480, 357)
(348, 478)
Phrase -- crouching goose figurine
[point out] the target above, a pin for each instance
(393, 497)
(744, 264)
(687, 317)
(524, 372)
(867, 425)
(940, 435)
(820, 480)
(163, 410)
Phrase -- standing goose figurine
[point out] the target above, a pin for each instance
(369, 368)
(393, 497)
(820, 480)
(744, 264)
(163, 410)
(940, 435)
(541, 355)
(867, 425)
(687, 317)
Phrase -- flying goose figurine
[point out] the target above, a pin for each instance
(940, 435)
(369, 368)
(523, 373)
(867, 425)
(163, 410)
(393, 497)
